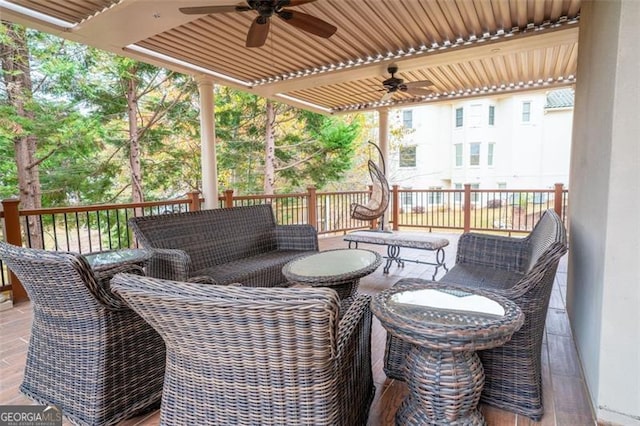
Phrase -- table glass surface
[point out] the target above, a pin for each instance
(115, 257)
(443, 306)
(333, 262)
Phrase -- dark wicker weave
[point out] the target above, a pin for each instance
(443, 372)
(257, 356)
(88, 353)
(523, 270)
(222, 246)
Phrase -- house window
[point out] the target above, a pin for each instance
(406, 198)
(526, 112)
(492, 115)
(407, 156)
(475, 116)
(457, 197)
(458, 154)
(407, 118)
(435, 196)
(474, 154)
(490, 149)
(475, 195)
(459, 117)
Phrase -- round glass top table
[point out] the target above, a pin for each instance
(114, 258)
(106, 264)
(445, 326)
(340, 269)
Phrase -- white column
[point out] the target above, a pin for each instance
(208, 143)
(603, 291)
(383, 133)
(383, 137)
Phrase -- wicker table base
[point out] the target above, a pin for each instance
(444, 386)
(445, 325)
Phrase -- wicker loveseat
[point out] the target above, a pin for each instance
(222, 246)
(257, 356)
(89, 353)
(523, 270)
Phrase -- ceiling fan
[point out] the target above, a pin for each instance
(394, 84)
(259, 29)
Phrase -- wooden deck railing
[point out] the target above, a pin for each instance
(86, 229)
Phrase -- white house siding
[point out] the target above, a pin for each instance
(527, 155)
(432, 141)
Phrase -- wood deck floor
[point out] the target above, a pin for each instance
(565, 395)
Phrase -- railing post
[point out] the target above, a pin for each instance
(557, 198)
(194, 198)
(13, 235)
(395, 213)
(228, 198)
(467, 207)
(312, 206)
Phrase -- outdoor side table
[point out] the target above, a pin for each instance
(445, 326)
(340, 269)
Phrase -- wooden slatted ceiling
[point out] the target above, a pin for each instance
(72, 11)
(548, 65)
(369, 32)
(366, 28)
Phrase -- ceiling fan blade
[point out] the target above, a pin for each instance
(386, 96)
(258, 32)
(418, 91)
(296, 2)
(308, 23)
(206, 10)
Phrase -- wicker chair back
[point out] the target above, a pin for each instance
(237, 233)
(252, 355)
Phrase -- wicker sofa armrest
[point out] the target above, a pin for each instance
(102, 292)
(170, 264)
(296, 237)
(354, 325)
(494, 251)
(353, 361)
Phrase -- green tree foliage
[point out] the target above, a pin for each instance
(80, 120)
(67, 145)
(311, 149)
(165, 121)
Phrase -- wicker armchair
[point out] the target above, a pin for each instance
(254, 355)
(88, 353)
(523, 270)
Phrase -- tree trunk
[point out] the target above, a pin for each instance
(14, 53)
(134, 143)
(270, 148)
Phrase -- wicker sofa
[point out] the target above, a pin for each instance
(222, 246)
(257, 356)
(89, 353)
(523, 270)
